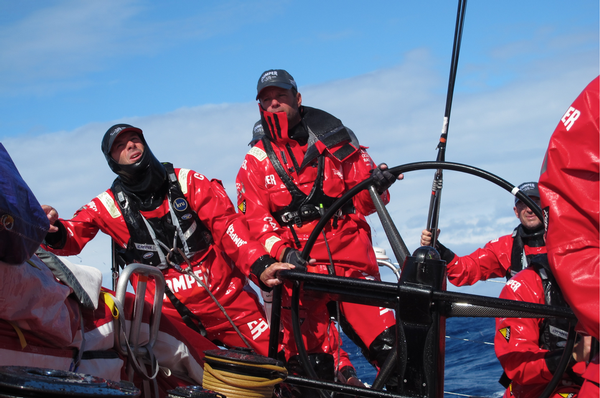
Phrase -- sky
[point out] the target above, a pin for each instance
(185, 72)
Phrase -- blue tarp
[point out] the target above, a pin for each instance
(23, 223)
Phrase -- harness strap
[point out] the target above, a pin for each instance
(189, 318)
(302, 209)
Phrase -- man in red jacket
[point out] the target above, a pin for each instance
(529, 349)
(570, 192)
(183, 223)
(500, 257)
(305, 161)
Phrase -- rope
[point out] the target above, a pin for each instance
(235, 385)
(188, 271)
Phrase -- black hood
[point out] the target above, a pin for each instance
(143, 178)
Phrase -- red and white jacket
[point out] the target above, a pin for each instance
(517, 342)
(491, 261)
(224, 267)
(261, 192)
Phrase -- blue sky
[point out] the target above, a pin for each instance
(185, 72)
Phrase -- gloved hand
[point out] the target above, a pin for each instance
(383, 178)
(294, 257)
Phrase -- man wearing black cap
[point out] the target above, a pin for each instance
(500, 257)
(306, 160)
(176, 219)
(257, 133)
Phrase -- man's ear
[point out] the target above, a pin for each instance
(516, 211)
(299, 99)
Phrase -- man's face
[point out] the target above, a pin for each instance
(127, 148)
(526, 216)
(277, 99)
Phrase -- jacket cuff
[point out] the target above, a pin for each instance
(58, 239)
(446, 254)
(258, 267)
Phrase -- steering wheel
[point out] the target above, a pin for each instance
(401, 252)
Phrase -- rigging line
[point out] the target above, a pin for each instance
(436, 190)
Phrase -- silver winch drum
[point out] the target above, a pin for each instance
(30, 382)
(193, 392)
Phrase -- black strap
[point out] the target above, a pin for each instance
(504, 380)
(64, 274)
(189, 318)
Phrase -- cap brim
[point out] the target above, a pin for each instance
(285, 86)
(126, 129)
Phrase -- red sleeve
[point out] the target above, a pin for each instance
(569, 191)
(88, 220)
(491, 261)
(517, 339)
(357, 169)
(228, 228)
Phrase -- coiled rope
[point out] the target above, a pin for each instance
(249, 380)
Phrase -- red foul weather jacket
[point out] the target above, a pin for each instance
(261, 192)
(223, 267)
(491, 261)
(569, 191)
(517, 343)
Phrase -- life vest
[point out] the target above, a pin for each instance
(324, 130)
(154, 241)
(518, 259)
(553, 331)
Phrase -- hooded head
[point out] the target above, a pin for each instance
(143, 177)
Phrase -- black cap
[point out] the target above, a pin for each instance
(257, 133)
(111, 135)
(530, 189)
(277, 78)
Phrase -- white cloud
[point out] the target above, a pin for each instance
(396, 111)
(58, 46)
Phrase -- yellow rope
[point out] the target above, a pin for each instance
(19, 334)
(235, 385)
(109, 300)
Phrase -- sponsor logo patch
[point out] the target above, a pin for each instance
(514, 285)
(234, 237)
(180, 204)
(258, 153)
(145, 247)
(505, 332)
(559, 332)
(148, 255)
(242, 207)
(186, 216)
(570, 117)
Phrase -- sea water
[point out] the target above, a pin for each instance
(471, 366)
